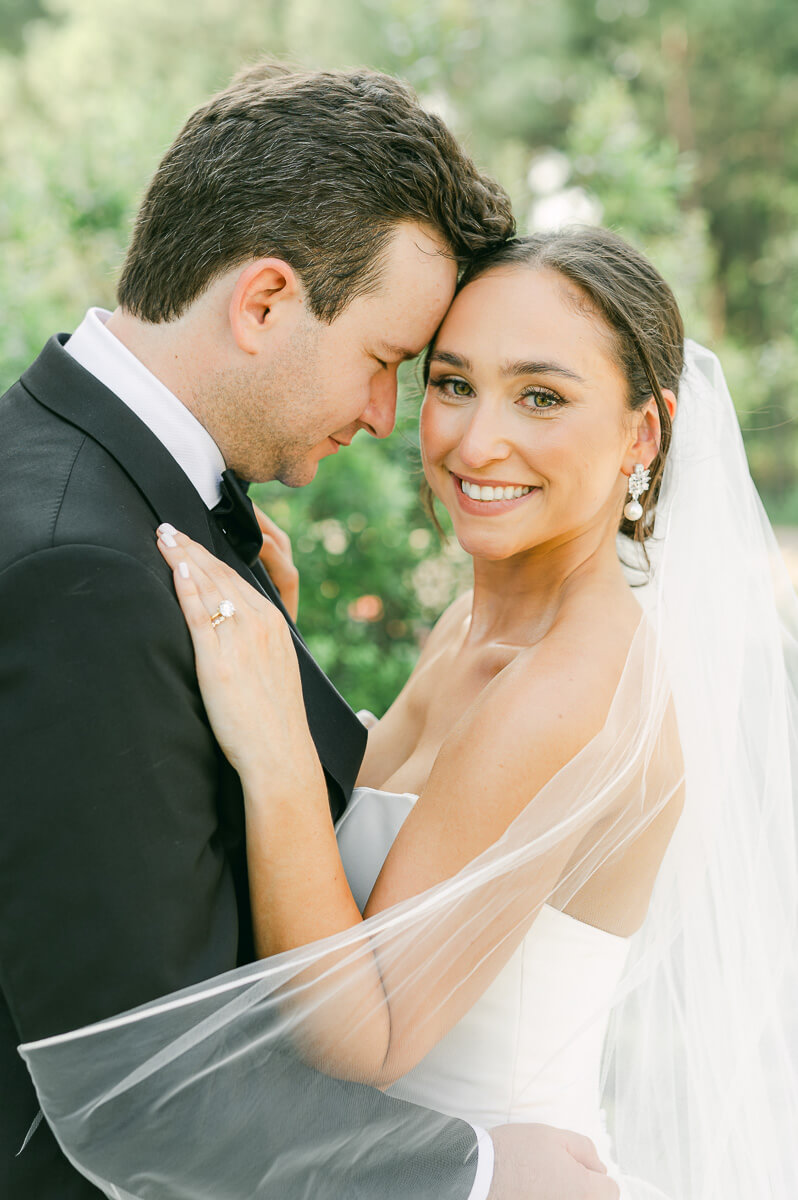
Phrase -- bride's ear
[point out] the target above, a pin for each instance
(647, 432)
(267, 296)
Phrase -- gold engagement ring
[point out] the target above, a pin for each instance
(226, 609)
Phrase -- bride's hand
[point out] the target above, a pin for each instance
(247, 669)
(278, 559)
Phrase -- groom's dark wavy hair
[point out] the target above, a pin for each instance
(315, 168)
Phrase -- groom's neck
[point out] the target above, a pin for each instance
(167, 349)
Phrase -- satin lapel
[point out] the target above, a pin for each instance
(56, 381)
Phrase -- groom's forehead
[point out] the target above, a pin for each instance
(418, 256)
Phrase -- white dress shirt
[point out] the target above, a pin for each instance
(103, 355)
(188, 442)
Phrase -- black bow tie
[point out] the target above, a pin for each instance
(236, 518)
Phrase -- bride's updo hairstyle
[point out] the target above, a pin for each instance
(621, 287)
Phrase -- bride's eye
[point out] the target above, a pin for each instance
(544, 400)
(452, 385)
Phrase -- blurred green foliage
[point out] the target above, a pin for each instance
(675, 122)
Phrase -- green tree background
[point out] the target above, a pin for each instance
(674, 122)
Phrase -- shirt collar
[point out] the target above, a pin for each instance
(189, 443)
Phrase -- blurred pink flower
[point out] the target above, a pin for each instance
(366, 608)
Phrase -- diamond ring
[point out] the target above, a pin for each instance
(226, 609)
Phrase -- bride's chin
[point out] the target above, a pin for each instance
(484, 547)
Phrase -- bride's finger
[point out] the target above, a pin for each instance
(208, 573)
(269, 527)
(203, 634)
(215, 580)
(176, 548)
(204, 605)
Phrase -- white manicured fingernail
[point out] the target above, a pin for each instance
(166, 528)
(168, 540)
(183, 569)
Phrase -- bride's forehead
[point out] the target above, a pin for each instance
(517, 313)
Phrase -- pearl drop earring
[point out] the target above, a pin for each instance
(639, 482)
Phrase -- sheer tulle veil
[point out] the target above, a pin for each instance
(701, 1061)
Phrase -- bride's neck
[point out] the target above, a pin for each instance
(517, 600)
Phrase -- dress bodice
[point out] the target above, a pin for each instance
(530, 1048)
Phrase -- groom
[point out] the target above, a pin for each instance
(299, 240)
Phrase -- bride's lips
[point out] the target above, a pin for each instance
(489, 508)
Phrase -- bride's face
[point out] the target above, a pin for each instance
(524, 394)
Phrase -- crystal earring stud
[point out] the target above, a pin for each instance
(639, 482)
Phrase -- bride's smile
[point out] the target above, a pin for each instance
(489, 497)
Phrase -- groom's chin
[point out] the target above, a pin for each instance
(299, 474)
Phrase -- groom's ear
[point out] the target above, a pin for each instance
(267, 295)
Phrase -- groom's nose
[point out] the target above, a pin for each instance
(379, 416)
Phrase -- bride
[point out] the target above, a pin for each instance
(564, 889)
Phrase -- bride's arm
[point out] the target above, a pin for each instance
(511, 742)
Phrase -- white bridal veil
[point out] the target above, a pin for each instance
(187, 1096)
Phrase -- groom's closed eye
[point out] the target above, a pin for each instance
(394, 355)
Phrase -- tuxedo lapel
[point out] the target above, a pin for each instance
(67, 389)
(59, 383)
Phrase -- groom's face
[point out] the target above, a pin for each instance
(333, 379)
(328, 381)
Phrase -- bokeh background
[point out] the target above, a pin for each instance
(675, 122)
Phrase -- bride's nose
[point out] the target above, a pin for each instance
(484, 440)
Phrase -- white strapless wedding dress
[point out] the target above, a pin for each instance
(530, 1048)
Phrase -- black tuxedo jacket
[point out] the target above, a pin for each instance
(122, 861)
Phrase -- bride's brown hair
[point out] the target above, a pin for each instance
(621, 286)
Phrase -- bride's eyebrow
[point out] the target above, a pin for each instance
(509, 369)
(513, 369)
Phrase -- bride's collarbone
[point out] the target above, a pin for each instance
(448, 683)
(442, 694)
(451, 685)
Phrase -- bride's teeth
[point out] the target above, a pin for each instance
(475, 492)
